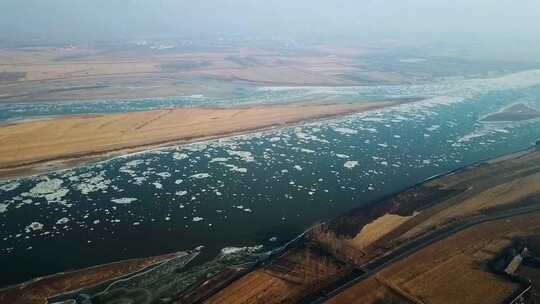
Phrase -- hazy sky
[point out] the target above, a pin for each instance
(105, 19)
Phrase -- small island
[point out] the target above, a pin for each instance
(516, 112)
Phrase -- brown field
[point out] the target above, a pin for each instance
(496, 185)
(39, 290)
(290, 278)
(453, 270)
(87, 136)
(54, 74)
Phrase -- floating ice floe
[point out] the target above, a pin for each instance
(34, 226)
(219, 160)
(157, 185)
(10, 186)
(180, 156)
(244, 155)
(164, 174)
(62, 221)
(3, 207)
(200, 175)
(236, 169)
(181, 193)
(46, 187)
(93, 184)
(350, 164)
(124, 200)
(126, 168)
(307, 151)
(345, 131)
(233, 250)
(342, 156)
(297, 167)
(433, 128)
(197, 219)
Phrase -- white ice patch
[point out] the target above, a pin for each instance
(10, 186)
(124, 200)
(234, 168)
(197, 219)
(350, 164)
(342, 156)
(297, 167)
(62, 221)
(157, 185)
(57, 196)
(3, 207)
(180, 156)
(181, 193)
(96, 183)
(345, 131)
(244, 155)
(219, 160)
(200, 175)
(34, 226)
(46, 187)
(233, 250)
(164, 174)
(433, 128)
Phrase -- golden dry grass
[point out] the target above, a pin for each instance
(499, 195)
(377, 229)
(73, 137)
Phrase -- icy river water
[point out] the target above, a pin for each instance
(254, 190)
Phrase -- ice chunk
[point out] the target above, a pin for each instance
(34, 226)
(244, 155)
(345, 131)
(124, 200)
(200, 175)
(62, 221)
(164, 174)
(180, 156)
(350, 164)
(10, 186)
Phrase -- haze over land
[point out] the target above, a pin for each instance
(251, 151)
(502, 28)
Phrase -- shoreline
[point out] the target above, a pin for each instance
(61, 161)
(40, 289)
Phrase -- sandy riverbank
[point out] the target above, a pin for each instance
(38, 146)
